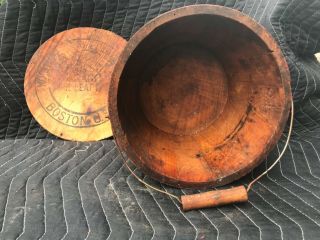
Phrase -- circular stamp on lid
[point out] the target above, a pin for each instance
(67, 81)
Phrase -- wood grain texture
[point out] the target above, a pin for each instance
(67, 80)
(199, 96)
(214, 198)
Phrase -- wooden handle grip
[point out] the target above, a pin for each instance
(214, 198)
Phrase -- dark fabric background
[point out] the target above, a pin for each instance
(54, 189)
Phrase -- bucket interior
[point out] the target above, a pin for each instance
(187, 90)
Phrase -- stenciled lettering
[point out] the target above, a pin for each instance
(71, 119)
(81, 86)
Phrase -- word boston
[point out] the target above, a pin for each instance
(73, 119)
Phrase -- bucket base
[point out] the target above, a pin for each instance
(183, 82)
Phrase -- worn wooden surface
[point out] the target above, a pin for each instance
(196, 104)
(214, 198)
(187, 83)
(67, 80)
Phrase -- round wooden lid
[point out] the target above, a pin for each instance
(67, 80)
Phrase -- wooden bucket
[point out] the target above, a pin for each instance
(199, 96)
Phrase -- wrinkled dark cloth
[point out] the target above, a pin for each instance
(54, 189)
